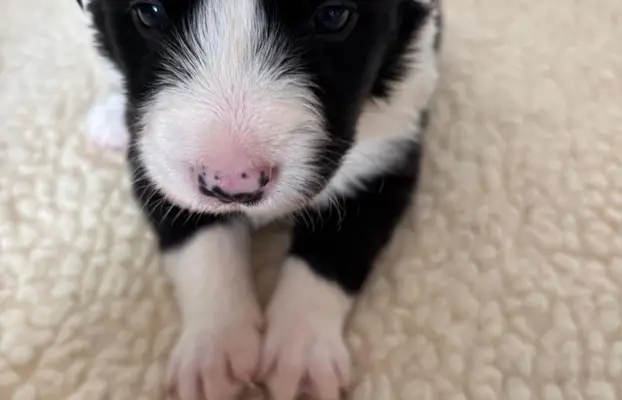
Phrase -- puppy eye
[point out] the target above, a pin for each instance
(148, 15)
(334, 18)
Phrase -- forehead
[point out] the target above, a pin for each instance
(237, 41)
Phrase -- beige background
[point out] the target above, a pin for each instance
(505, 283)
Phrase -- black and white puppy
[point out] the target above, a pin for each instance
(239, 112)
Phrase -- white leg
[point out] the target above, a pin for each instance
(219, 345)
(305, 349)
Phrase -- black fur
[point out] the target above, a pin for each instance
(341, 246)
(410, 17)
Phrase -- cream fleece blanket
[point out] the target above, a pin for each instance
(503, 283)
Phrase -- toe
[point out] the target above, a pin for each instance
(216, 382)
(324, 379)
(283, 382)
(171, 375)
(243, 365)
(225, 390)
(281, 389)
(188, 386)
(342, 365)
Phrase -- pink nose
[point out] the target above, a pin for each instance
(241, 186)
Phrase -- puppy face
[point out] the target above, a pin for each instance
(250, 105)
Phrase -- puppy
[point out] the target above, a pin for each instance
(235, 113)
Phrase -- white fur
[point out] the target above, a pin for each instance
(220, 315)
(236, 103)
(106, 125)
(105, 122)
(384, 125)
(304, 348)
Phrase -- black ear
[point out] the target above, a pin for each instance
(80, 3)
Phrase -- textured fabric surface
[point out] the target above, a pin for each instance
(503, 283)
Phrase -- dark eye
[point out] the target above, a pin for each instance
(148, 15)
(334, 18)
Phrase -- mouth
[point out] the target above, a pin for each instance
(249, 199)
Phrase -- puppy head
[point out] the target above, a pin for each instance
(250, 105)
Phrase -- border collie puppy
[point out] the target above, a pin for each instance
(235, 113)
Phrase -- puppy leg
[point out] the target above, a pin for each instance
(328, 265)
(304, 349)
(219, 345)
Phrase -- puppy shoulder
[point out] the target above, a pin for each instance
(392, 121)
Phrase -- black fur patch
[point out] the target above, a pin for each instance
(343, 242)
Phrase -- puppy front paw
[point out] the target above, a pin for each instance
(215, 362)
(304, 349)
(304, 356)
